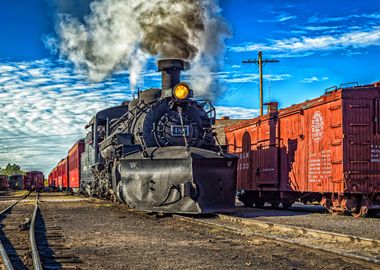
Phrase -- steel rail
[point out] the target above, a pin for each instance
(36, 257)
(4, 256)
(250, 233)
(302, 231)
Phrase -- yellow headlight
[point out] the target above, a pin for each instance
(181, 91)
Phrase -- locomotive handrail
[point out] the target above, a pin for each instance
(203, 103)
(183, 128)
(119, 120)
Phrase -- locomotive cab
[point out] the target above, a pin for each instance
(98, 130)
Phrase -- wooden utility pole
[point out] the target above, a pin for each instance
(260, 63)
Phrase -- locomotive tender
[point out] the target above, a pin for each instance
(158, 152)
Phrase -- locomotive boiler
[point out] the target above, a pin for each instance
(158, 152)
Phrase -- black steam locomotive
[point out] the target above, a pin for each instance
(158, 152)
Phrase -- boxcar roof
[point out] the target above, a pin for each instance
(325, 98)
(75, 145)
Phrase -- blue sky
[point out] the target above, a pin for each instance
(319, 44)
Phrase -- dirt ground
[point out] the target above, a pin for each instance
(107, 236)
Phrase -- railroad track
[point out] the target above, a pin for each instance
(30, 242)
(352, 247)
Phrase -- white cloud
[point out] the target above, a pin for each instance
(316, 19)
(241, 77)
(319, 28)
(314, 79)
(236, 112)
(278, 17)
(286, 18)
(296, 45)
(40, 102)
(282, 17)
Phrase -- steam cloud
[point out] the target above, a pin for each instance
(119, 34)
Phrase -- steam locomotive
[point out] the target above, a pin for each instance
(158, 152)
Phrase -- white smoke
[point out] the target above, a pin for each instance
(120, 34)
(211, 53)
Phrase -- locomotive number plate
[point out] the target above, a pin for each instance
(178, 130)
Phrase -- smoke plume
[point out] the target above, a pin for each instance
(120, 34)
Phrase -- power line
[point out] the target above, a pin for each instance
(260, 62)
(232, 90)
(230, 93)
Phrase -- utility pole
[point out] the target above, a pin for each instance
(260, 63)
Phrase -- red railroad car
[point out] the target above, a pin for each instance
(54, 178)
(16, 181)
(326, 150)
(34, 180)
(50, 179)
(4, 182)
(62, 174)
(74, 165)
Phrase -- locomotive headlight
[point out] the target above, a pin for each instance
(181, 91)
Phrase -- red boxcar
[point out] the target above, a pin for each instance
(326, 150)
(4, 182)
(65, 174)
(54, 178)
(50, 179)
(34, 180)
(62, 174)
(16, 181)
(74, 163)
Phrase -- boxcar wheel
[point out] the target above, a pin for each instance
(248, 202)
(259, 203)
(286, 205)
(335, 212)
(246, 199)
(361, 207)
(361, 212)
(275, 204)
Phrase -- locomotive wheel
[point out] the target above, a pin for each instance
(259, 203)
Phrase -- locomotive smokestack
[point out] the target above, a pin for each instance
(171, 72)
